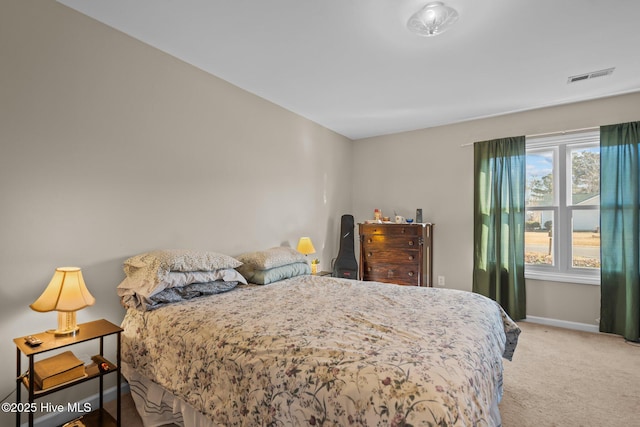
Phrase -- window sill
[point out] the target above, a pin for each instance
(568, 278)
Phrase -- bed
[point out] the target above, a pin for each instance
(310, 350)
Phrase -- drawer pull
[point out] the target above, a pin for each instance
(410, 274)
(370, 241)
(369, 254)
(411, 243)
(411, 257)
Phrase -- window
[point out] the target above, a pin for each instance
(562, 228)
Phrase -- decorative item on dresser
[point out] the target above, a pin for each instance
(397, 253)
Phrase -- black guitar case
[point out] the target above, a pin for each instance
(346, 265)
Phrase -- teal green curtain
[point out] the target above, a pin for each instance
(619, 230)
(499, 216)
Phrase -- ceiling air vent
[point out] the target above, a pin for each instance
(591, 75)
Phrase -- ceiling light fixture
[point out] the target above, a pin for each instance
(433, 19)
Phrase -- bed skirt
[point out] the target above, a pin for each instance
(157, 406)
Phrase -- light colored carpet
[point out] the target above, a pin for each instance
(558, 378)
(565, 378)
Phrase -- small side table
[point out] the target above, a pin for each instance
(88, 331)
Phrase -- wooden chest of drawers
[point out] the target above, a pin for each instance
(397, 253)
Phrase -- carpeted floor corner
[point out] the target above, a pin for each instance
(566, 378)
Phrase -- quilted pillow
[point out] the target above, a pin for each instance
(270, 258)
(140, 292)
(194, 290)
(275, 274)
(154, 266)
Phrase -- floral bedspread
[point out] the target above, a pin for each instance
(325, 351)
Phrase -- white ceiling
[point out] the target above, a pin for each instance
(352, 66)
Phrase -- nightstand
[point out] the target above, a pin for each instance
(96, 330)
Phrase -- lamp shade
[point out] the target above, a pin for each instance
(305, 246)
(66, 292)
(432, 19)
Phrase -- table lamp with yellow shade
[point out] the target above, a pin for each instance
(66, 294)
(305, 246)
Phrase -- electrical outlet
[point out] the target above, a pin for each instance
(441, 281)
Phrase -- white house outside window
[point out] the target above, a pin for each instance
(562, 232)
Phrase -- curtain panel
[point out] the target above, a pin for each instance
(499, 217)
(620, 229)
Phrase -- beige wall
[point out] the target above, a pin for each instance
(110, 148)
(429, 169)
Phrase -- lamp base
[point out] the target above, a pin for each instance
(66, 324)
(63, 333)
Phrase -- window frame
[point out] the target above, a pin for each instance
(562, 270)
